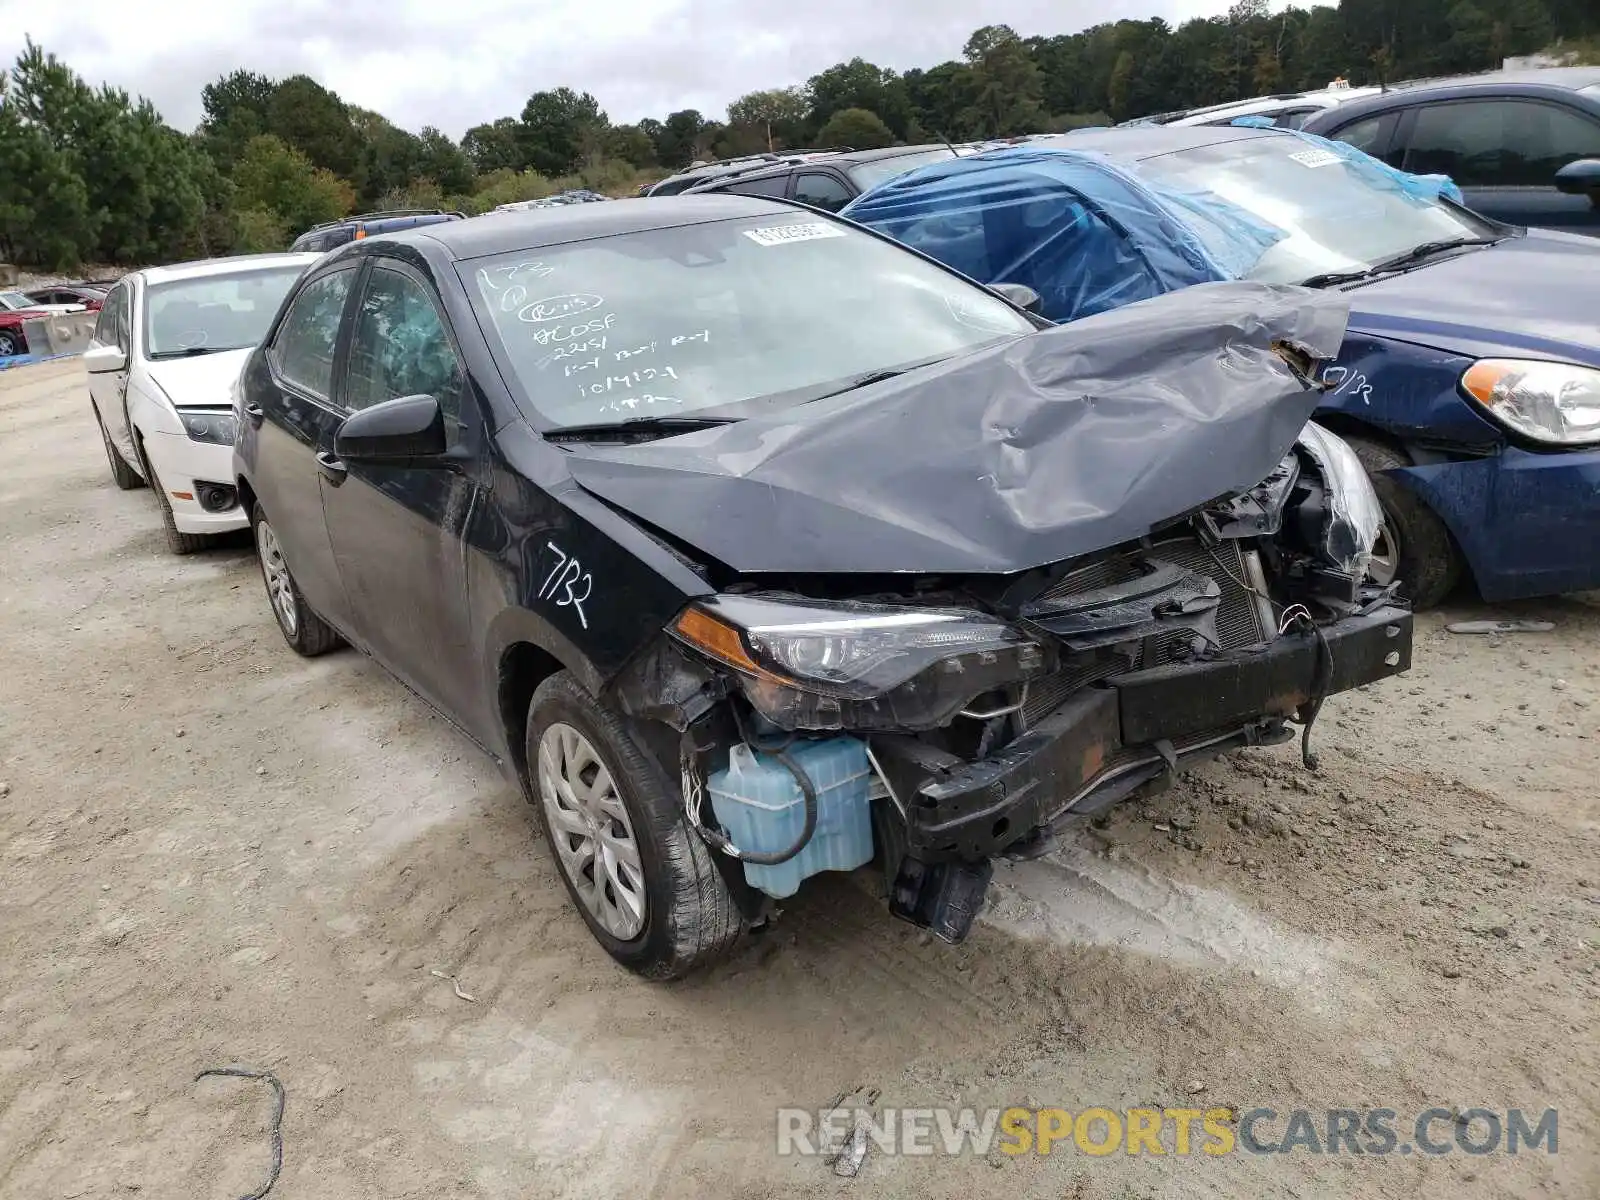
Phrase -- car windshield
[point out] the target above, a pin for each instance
(869, 175)
(1329, 216)
(15, 300)
(213, 313)
(668, 322)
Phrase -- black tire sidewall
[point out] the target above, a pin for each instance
(1430, 564)
(659, 827)
(298, 641)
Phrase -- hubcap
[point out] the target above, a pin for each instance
(1385, 564)
(280, 587)
(593, 837)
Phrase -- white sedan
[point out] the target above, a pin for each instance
(165, 354)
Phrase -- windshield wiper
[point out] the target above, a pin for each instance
(1383, 266)
(193, 351)
(866, 380)
(633, 428)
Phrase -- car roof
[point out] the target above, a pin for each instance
(224, 266)
(1147, 141)
(1566, 78)
(501, 233)
(1534, 82)
(1321, 98)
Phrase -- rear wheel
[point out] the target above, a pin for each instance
(643, 881)
(124, 476)
(1414, 545)
(307, 634)
(12, 343)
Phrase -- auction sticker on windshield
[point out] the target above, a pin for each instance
(779, 235)
(1316, 158)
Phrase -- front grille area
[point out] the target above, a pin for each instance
(1238, 618)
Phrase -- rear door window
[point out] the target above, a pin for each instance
(772, 185)
(304, 348)
(822, 191)
(1371, 136)
(1499, 143)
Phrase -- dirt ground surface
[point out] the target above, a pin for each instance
(213, 852)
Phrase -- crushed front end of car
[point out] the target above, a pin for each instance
(1142, 555)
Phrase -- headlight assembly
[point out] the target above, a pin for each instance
(1554, 403)
(830, 665)
(208, 425)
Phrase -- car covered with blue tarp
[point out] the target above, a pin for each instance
(1469, 380)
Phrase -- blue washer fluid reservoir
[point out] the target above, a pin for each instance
(761, 807)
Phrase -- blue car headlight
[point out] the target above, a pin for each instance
(216, 426)
(1554, 403)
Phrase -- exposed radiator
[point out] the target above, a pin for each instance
(1239, 620)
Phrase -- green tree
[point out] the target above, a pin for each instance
(1121, 81)
(44, 206)
(632, 145)
(235, 108)
(678, 138)
(310, 118)
(444, 162)
(859, 84)
(494, 146)
(556, 128)
(856, 128)
(272, 176)
(1009, 89)
(778, 113)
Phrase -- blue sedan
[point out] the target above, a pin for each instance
(1469, 381)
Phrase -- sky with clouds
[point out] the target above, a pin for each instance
(455, 64)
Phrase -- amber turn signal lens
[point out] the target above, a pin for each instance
(1481, 378)
(716, 638)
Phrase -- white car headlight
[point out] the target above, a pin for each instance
(1555, 403)
(1356, 513)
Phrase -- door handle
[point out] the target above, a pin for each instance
(332, 468)
(255, 412)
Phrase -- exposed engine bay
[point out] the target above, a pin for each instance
(933, 723)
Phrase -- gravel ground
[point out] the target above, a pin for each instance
(213, 852)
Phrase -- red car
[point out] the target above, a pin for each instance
(91, 296)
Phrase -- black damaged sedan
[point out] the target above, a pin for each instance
(754, 545)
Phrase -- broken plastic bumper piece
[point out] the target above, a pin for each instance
(1106, 741)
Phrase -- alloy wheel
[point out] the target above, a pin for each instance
(593, 836)
(1385, 565)
(280, 585)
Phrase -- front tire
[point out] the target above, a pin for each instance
(12, 343)
(642, 880)
(178, 542)
(124, 476)
(308, 635)
(1414, 544)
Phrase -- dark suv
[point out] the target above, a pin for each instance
(349, 229)
(1523, 146)
(827, 183)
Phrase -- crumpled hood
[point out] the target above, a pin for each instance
(1534, 296)
(1047, 447)
(204, 379)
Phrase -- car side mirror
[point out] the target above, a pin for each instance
(1580, 178)
(1020, 294)
(396, 431)
(98, 360)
